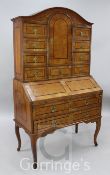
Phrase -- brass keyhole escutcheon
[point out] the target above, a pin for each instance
(86, 102)
(53, 123)
(81, 33)
(35, 59)
(53, 108)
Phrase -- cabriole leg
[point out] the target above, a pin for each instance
(18, 136)
(76, 128)
(34, 152)
(98, 125)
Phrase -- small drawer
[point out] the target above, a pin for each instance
(42, 125)
(34, 60)
(31, 74)
(82, 33)
(52, 123)
(51, 109)
(81, 46)
(35, 45)
(85, 115)
(59, 72)
(80, 58)
(80, 70)
(84, 102)
(34, 30)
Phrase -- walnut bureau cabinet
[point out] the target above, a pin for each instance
(52, 86)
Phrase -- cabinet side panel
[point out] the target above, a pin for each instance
(17, 50)
(22, 107)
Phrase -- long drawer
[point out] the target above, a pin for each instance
(65, 120)
(73, 105)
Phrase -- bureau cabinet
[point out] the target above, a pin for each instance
(52, 86)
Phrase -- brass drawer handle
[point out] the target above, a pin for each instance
(53, 108)
(81, 33)
(35, 59)
(86, 102)
(53, 123)
(35, 31)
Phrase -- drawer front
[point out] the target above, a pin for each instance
(59, 61)
(85, 115)
(81, 46)
(65, 120)
(82, 33)
(84, 102)
(55, 72)
(51, 109)
(80, 70)
(35, 45)
(80, 58)
(34, 30)
(34, 74)
(34, 60)
(52, 123)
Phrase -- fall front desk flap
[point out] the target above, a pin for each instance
(38, 91)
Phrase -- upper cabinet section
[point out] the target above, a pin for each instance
(51, 44)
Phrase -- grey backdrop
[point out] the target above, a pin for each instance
(96, 11)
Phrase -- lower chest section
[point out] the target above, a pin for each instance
(61, 113)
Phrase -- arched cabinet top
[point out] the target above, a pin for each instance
(45, 15)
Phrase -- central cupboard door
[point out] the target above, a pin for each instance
(60, 40)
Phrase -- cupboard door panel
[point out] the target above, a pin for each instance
(60, 43)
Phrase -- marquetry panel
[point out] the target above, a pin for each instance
(80, 70)
(34, 30)
(60, 39)
(34, 74)
(34, 60)
(82, 33)
(82, 46)
(35, 45)
(59, 72)
(80, 58)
